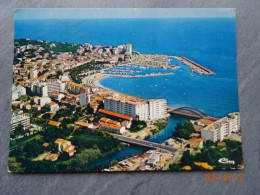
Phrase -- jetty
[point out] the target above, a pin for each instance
(194, 66)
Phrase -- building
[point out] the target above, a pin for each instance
(40, 89)
(118, 129)
(126, 124)
(43, 100)
(65, 146)
(16, 119)
(136, 107)
(84, 98)
(17, 91)
(75, 88)
(196, 143)
(221, 128)
(33, 74)
(52, 106)
(55, 86)
(128, 49)
(153, 159)
(84, 124)
(203, 122)
(107, 120)
(54, 123)
(157, 109)
(114, 114)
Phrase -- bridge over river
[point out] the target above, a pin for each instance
(144, 143)
(190, 112)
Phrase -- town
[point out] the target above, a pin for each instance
(62, 118)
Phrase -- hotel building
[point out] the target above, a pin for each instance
(221, 128)
(136, 107)
(55, 87)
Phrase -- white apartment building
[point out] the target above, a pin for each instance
(55, 87)
(43, 100)
(19, 119)
(137, 107)
(221, 128)
(84, 98)
(40, 89)
(17, 91)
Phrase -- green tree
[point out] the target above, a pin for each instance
(33, 148)
(64, 156)
(19, 130)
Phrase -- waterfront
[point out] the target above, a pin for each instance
(216, 95)
(191, 88)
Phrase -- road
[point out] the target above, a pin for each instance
(144, 143)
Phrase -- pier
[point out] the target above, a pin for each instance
(194, 66)
(144, 143)
(190, 112)
(136, 76)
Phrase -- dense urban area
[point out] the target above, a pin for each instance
(63, 119)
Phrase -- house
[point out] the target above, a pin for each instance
(65, 146)
(54, 123)
(84, 124)
(107, 120)
(52, 106)
(196, 143)
(118, 129)
(52, 157)
(204, 122)
(126, 124)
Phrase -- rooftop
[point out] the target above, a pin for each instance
(51, 103)
(83, 124)
(112, 126)
(54, 123)
(127, 99)
(115, 114)
(107, 120)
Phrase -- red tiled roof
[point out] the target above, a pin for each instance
(115, 114)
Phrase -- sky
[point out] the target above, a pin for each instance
(82, 13)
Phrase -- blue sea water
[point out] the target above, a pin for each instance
(211, 42)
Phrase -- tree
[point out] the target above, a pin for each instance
(184, 131)
(33, 148)
(89, 109)
(19, 130)
(187, 159)
(64, 156)
(175, 167)
(113, 163)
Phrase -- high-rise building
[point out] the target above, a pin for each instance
(55, 87)
(221, 128)
(16, 119)
(84, 98)
(40, 89)
(136, 107)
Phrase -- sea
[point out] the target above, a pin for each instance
(210, 42)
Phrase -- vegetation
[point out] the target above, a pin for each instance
(211, 153)
(184, 131)
(49, 46)
(90, 145)
(22, 97)
(137, 125)
(74, 73)
(160, 124)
